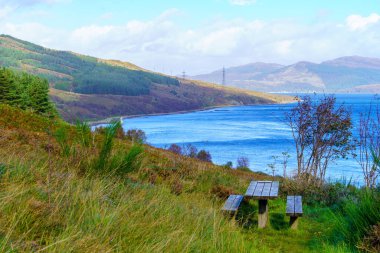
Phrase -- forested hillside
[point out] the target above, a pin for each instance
(88, 88)
(77, 73)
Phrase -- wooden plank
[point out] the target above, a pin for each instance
(274, 189)
(290, 205)
(266, 190)
(237, 202)
(232, 203)
(251, 189)
(230, 200)
(298, 205)
(259, 189)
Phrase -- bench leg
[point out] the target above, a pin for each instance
(263, 213)
(293, 223)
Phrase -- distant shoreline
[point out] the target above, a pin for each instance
(117, 118)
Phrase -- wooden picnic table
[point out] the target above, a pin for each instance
(263, 191)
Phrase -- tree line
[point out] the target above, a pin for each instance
(25, 91)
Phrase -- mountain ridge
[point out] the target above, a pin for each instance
(343, 74)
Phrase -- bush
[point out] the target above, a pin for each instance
(221, 191)
(242, 163)
(228, 165)
(204, 155)
(175, 149)
(190, 151)
(371, 243)
(328, 194)
(136, 136)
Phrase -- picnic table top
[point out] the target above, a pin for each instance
(263, 189)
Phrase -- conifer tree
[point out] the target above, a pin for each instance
(5, 86)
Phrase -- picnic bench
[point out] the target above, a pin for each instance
(232, 204)
(263, 191)
(294, 210)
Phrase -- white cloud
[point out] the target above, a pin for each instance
(161, 44)
(5, 11)
(357, 22)
(242, 2)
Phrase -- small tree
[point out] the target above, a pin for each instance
(321, 132)
(369, 145)
(136, 136)
(285, 158)
(204, 155)
(242, 163)
(228, 165)
(175, 149)
(190, 151)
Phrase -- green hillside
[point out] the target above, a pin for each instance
(89, 88)
(65, 189)
(78, 73)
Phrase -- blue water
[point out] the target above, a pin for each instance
(257, 132)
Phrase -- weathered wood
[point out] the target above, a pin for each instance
(298, 206)
(251, 189)
(294, 206)
(293, 223)
(266, 189)
(294, 210)
(274, 189)
(258, 190)
(232, 204)
(290, 206)
(263, 213)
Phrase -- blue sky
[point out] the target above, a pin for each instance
(198, 36)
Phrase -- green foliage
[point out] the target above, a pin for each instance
(357, 217)
(106, 149)
(61, 136)
(25, 91)
(132, 160)
(84, 74)
(83, 133)
(136, 136)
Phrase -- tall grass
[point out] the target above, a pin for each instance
(132, 160)
(83, 133)
(357, 218)
(61, 136)
(106, 148)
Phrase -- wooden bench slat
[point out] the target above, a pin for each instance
(266, 189)
(251, 188)
(232, 203)
(290, 205)
(229, 202)
(298, 205)
(274, 189)
(259, 189)
(237, 202)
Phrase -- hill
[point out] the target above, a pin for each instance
(65, 189)
(85, 87)
(338, 75)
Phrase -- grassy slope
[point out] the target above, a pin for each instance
(68, 68)
(168, 205)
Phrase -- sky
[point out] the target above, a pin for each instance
(198, 36)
